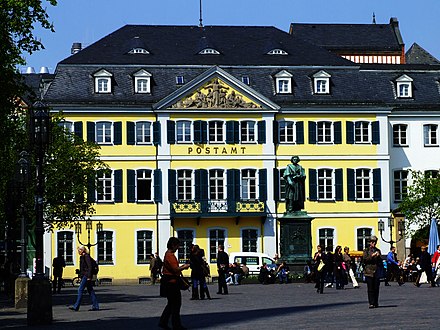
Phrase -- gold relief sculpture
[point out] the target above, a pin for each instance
(215, 94)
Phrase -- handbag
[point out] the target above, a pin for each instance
(183, 283)
(321, 266)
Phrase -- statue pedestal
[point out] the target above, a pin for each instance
(296, 238)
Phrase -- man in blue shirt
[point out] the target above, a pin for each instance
(393, 267)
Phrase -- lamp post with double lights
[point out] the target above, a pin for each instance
(78, 230)
(400, 227)
(40, 297)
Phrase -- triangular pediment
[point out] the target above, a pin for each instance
(215, 89)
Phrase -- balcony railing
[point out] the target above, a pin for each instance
(218, 206)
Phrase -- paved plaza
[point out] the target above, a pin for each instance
(251, 306)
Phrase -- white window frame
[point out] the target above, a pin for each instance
(217, 191)
(248, 132)
(246, 80)
(185, 136)
(106, 137)
(68, 126)
(334, 240)
(113, 254)
(186, 182)
(180, 80)
(286, 132)
(143, 132)
(142, 82)
(430, 135)
(136, 253)
(146, 179)
(106, 180)
(277, 51)
(400, 135)
(249, 184)
(404, 86)
(216, 131)
(325, 184)
(257, 242)
(400, 184)
(225, 243)
(103, 82)
(139, 50)
(362, 132)
(325, 132)
(366, 237)
(283, 82)
(193, 231)
(363, 178)
(209, 51)
(68, 263)
(321, 82)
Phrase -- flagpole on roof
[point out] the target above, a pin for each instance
(201, 19)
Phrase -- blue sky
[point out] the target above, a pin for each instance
(87, 21)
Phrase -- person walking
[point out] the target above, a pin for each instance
(171, 271)
(196, 262)
(349, 267)
(373, 262)
(155, 267)
(393, 267)
(222, 269)
(320, 271)
(425, 266)
(85, 271)
(58, 265)
(338, 268)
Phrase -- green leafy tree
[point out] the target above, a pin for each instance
(421, 202)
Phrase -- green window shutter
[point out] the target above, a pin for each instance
(197, 191)
(118, 185)
(337, 126)
(376, 132)
(157, 185)
(203, 184)
(172, 185)
(233, 180)
(78, 129)
(91, 189)
(377, 188)
(198, 131)
(350, 132)
(276, 184)
(171, 132)
(261, 132)
(156, 133)
(351, 193)
(339, 184)
(131, 186)
(117, 127)
(91, 132)
(230, 132)
(275, 132)
(236, 132)
(204, 132)
(131, 136)
(312, 132)
(262, 180)
(312, 185)
(299, 132)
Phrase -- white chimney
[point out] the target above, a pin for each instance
(44, 69)
(30, 70)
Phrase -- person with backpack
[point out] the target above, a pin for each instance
(88, 268)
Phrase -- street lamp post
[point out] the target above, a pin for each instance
(400, 226)
(78, 230)
(40, 298)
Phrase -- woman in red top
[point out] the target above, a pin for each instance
(169, 282)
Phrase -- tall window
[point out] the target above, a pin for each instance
(103, 132)
(183, 131)
(103, 85)
(216, 184)
(321, 86)
(400, 135)
(104, 186)
(186, 238)
(324, 132)
(247, 131)
(287, 132)
(142, 85)
(430, 135)
(283, 86)
(326, 237)
(216, 131)
(363, 183)
(249, 184)
(105, 247)
(67, 126)
(363, 234)
(144, 246)
(143, 185)
(325, 184)
(184, 185)
(143, 132)
(249, 240)
(65, 246)
(362, 132)
(400, 184)
(216, 238)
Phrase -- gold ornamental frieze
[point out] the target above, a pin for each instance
(217, 95)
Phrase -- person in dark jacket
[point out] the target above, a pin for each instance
(222, 268)
(85, 272)
(197, 275)
(320, 272)
(373, 263)
(425, 266)
(58, 265)
(338, 268)
(329, 267)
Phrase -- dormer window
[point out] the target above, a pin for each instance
(139, 50)
(283, 81)
(142, 82)
(277, 52)
(209, 51)
(321, 82)
(246, 80)
(404, 86)
(180, 80)
(103, 82)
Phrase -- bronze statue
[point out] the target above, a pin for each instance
(295, 177)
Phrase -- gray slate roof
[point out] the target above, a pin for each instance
(418, 55)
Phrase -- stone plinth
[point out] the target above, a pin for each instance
(39, 302)
(21, 292)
